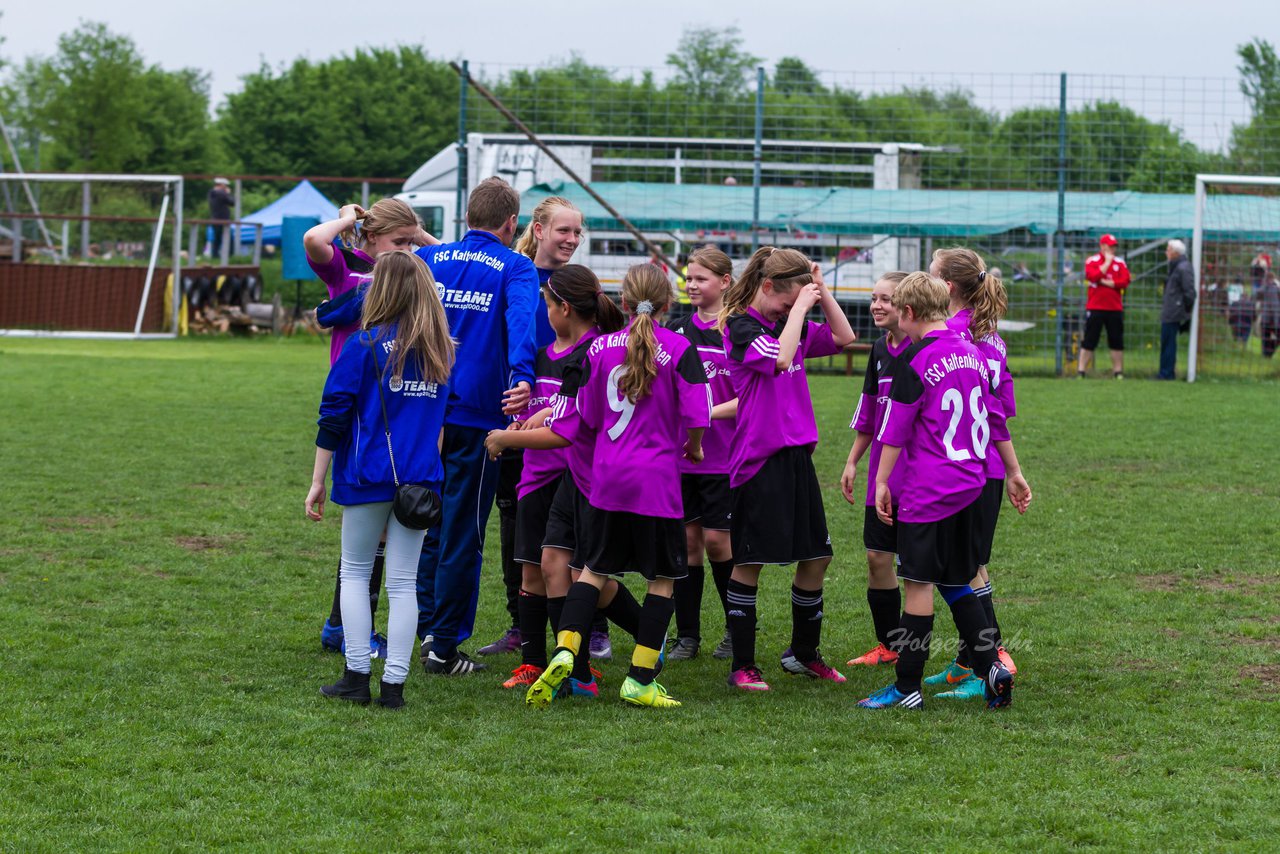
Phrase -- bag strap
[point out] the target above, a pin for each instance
(380, 373)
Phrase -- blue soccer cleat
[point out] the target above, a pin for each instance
(999, 687)
(890, 696)
(331, 638)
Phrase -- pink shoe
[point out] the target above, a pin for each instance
(748, 679)
(880, 655)
(1007, 661)
(816, 669)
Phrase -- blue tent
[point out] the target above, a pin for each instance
(302, 200)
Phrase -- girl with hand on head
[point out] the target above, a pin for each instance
(778, 517)
(380, 424)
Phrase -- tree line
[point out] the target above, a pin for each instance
(97, 105)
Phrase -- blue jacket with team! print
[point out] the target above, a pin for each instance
(490, 295)
(351, 422)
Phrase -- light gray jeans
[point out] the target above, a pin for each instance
(362, 527)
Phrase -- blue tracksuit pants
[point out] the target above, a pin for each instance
(449, 569)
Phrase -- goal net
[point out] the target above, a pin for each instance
(89, 255)
(1235, 249)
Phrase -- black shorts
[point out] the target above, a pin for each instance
(876, 535)
(531, 522)
(562, 519)
(778, 515)
(941, 552)
(1094, 320)
(707, 500)
(611, 542)
(989, 503)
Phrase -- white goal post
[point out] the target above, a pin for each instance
(1219, 221)
(173, 187)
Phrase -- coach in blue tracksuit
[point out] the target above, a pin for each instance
(490, 295)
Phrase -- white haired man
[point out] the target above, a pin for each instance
(1175, 310)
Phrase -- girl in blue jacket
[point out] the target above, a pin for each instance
(404, 345)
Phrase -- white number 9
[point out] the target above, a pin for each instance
(619, 403)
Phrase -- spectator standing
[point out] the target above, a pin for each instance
(220, 207)
(1175, 309)
(1269, 313)
(1108, 276)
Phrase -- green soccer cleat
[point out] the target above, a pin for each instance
(653, 695)
(953, 675)
(972, 688)
(543, 691)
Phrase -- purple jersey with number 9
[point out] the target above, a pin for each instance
(937, 412)
(636, 457)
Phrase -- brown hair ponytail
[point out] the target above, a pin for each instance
(647, 291)
(977, 286)
(383, 216)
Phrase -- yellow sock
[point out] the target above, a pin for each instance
(645, 657)
(571, 641)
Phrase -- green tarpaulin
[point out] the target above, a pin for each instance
(909, 213)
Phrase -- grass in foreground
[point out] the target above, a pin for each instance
(162, 597)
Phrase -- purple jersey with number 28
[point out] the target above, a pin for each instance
(937, 412)
(635, 462)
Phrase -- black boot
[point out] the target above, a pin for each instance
(392, 695)
(353, 687)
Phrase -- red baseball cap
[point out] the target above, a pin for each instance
(1108, 240)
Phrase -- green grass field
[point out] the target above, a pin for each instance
(161, 596)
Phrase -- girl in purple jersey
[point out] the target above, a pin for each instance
(880, 540)
(388, 224)
(578, 311)
(978, 301)
(705, 486)
(937, 414)
(778, 516)
(641, 403)
(552, 236)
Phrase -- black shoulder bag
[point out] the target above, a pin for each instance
(415, 505)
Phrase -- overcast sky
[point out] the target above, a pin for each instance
(1175, 38)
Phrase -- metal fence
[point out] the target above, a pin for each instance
(868, 172)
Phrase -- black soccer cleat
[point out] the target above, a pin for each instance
(999, 689)
(458, 664)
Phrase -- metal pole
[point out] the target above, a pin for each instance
(156, 239)
(257, 248)
(364, 194)
(237, 217)
(1062, 219)
(192, 248)
(1197, 253)
(757, 155)
(176, 300)
(464, 80)
(66, 241)
(84, 223)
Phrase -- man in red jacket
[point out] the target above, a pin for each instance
(1108, 276)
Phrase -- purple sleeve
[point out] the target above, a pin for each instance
(565, 420)
(693, 390)
(333, 274)
(862, 416)
(759, 354)
(818, 341)
(899, 421)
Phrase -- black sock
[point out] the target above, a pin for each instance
(962, 654)
(624, 611)
(911, 643)
(375, 577)
(720, 572)
(655, 617)
(512, 571)
(555, 613)
(742, 623)
(582, 663)
(688, 598)
(806, 623)
(886, 611)
(601, 622)
(575, 621)
(989, 607)
(335, 613)
(971, 622)
(533, 629)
